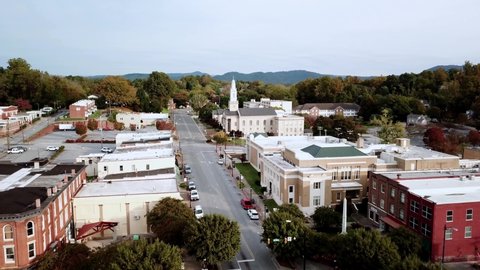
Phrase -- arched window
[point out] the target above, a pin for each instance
(30, 229)
(7, 232)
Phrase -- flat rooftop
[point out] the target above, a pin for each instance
(139, 154)
(129, 187)
(145, 136)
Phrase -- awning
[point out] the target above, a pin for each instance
(390, 222)
(346, 185)
(93, 228)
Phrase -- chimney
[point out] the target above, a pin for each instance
(36, 165)
(65, 178)
(54, 189)
(360, 142)
(73, 171)
(49, 192)
(403, 142)
(38, 203)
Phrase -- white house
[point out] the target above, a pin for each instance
(91, 161)
(140, 120)
(125, 202)
(284, 105)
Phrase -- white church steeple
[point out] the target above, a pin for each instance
(233, 103)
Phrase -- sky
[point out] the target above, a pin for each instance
(116, 37)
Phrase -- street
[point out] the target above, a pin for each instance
(219, 194)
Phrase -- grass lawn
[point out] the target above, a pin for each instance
(95, 115)
(270, 204)
(251, 175)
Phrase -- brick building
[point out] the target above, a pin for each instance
(434, 204)
(36, 211)
(82, 108)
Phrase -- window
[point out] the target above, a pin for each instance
(105, 168)
(402, 197)
(392, 193)
(401, 214)
(374, 201)
(316, 185)
(316, 200)
(449, 234)
(250, 122)
(30, 228)
(382, 188)
(148, 167)
(449, 215)
(338, 196)
(31, 250)
(469, 215)
(7, 232)
(426, 229)
(414, 207)
(382, 204)
(468, 232)
(121, 168)
(9, 254)
(90, 161)
(374, 184)
(427, 212)
(258, 122)
(413, 223)
(356, 173)
(290, 200)
(392, 209)
(290, 188)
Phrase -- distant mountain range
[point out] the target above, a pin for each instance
(279, 77)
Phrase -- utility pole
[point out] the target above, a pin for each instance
(8, 133)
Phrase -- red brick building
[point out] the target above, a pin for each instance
(8, 111)
(36, 211)
(434, 204)
(82, 108)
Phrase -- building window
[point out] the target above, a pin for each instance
(104, 168)
(30, 230)
(413, 223)
(382, 204)
(9, 254)
(316, 200)
(414, 206)
(469, 214)
(392, 209)
(374, 184)
(338, 196)
(426, 229)
(31, 250)
(401, 214)
(449, 234)
(290, 200)
(427, 212)
(468, 232)
(402, 197)
(382, 188)
(121, 168)
(148, 167)
(316, 185)
(7, 232)
(449, 215)
(374, 201)
(290, 188)
(90, 161)
(258, 122)
(250, 123)
(392, 193)
(356, 173)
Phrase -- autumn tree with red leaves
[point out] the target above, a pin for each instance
(164, 125)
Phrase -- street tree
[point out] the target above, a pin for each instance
(292, 209)
(92, 124)
(326, 219)
(116, 89)
(282, 233)
(213, 239)
(407, 242)
(80, 129)
(198, 101)
(137, 255)
(168, 219)
(159, 88)
(389, 131)
(68, 256)
(220, 138)
(364, 250)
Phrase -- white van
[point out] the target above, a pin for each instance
(198, 211)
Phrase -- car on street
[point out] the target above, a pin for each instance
(194, 195)
(107, 149)
(198, 211)
(15, 150)
(52, 148)
(220, 161)
(247, 203)
(187, 169)
(191, 185)
(253, 214)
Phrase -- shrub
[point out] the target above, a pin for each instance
(80, 129)
(92, 124)
(118, 126)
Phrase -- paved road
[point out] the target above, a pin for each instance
(218, 194)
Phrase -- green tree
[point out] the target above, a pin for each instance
(280, 232)
(326, 219)
(407, 242)
(414, 263)
(137, 255)
(220, 137)
(214, 238)
(361, 249)
(159, 88)
(292, 209)
(389, 131)
(198, 101)
(68, 256)
(117, 90)
(168, 219)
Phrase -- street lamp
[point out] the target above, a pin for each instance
(443, 244)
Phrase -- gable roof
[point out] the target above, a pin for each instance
(256, 112)
(328, 106)
(336, 151)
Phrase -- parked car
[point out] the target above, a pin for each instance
(187, 169)
(198, 211)
(247, 203)
(220, 161)
(253, 214)
(107, 149)
(15, 150)
(52, 148)
(191, 185)
(194, 195)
